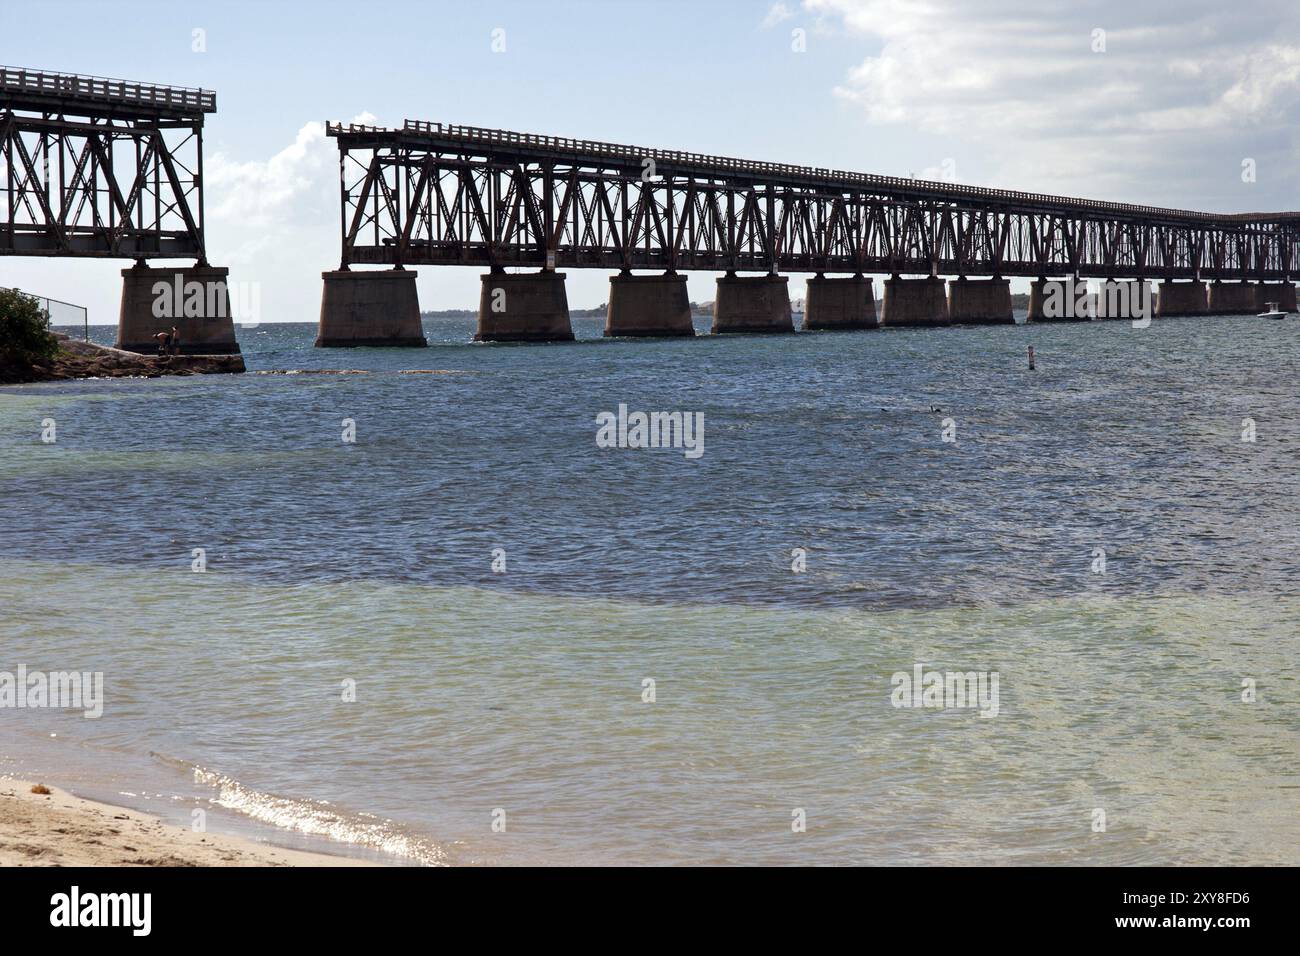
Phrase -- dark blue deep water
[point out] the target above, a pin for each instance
(1122, 439)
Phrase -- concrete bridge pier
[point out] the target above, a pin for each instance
(1232, 298)
(523, 307)
(1181, 299)
(379, 308)
(915, 302)
(194, 299)
(980, 301)
(1062, 295)
(752, 304)
(1125, 299)
(648, 306)
(839, 303)
(1283, 293)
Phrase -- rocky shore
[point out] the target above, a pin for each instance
(85, 360)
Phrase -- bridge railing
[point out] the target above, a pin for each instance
(595, 148)
(106, 89)
(475, 135)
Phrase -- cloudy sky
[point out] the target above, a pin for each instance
(1157, 102)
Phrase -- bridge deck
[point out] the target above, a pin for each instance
(43, 90)
(516, 146)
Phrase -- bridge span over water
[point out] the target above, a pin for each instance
(92, 167)
(434, 194)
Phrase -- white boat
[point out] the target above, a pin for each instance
(1272, 312)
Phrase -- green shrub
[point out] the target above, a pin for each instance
(23, 335)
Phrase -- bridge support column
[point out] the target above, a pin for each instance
(980, 302)
(1058, 300)
(648, 306)
(523, 307)
(1232, 298)
(1180, 299)
(915, 302)
(194, 299)
(1283, 293)
(840, 303)
(369, 308)
(1126, 299)
(752, 304)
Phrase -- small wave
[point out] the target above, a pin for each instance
(316, 818)
(312, 371)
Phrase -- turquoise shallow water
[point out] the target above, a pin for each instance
(478, 691)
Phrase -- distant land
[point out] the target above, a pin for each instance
(597, 313)
(1019, 300)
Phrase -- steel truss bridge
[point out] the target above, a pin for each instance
(98, 167)
(434, 194)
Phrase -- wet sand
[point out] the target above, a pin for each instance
(63, 830)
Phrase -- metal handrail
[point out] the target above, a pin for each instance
(594, 148)
(102, 87)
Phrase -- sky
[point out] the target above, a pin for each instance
(1185, 104)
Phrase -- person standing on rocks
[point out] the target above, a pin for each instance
(176, 341)
(164, 343)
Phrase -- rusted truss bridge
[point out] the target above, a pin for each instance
(434, 194)
(105, 168)
(100, 168)
(92, 167)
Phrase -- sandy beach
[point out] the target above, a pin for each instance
(59, 829)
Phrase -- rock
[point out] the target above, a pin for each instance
(85, 360)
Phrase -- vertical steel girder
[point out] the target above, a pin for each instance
(405, 203)
(100, 187)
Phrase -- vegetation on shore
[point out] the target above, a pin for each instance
(24, 340)
(29, 352)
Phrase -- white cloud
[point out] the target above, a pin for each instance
(1181, 93)
(275, 221)
(777, 13)
(257, 193)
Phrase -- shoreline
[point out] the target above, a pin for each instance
(60, 829)
(76, 360)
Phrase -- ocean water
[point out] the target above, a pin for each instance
(520, 695)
